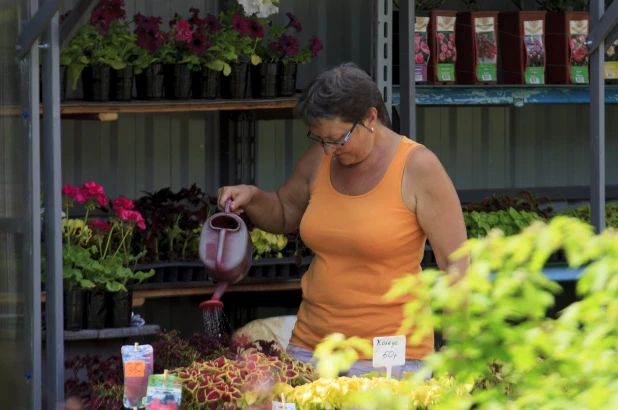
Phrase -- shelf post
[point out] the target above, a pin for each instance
(597, 120)
(52, 217)
(382, 60)
(407, 90)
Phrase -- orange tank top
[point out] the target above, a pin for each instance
(361, 243)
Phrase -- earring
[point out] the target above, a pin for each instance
(372, 129)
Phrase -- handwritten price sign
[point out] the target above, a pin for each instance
(389, 352)
(134, 369)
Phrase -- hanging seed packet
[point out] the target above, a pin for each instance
(535, 52)
(578, 31)
(138, 363)
(164, 392)
(447, 52)
(486, 49)
(611, 61)
(421, 49)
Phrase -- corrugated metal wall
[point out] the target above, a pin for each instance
(481, 147)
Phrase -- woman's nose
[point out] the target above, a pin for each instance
(328, 148)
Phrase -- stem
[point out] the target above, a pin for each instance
(121, 243)
(109, 238)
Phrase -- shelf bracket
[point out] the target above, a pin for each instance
(35, 26)
(605, 29)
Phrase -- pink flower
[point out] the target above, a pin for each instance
(294, 22)
(442, 57)
(451, 37)
(425, 48)
(419, 58)
(240, 24)
(69, 191)
(441, 36)
(101, 225)
(122, 203)
(451, 45)
(135, 217)
(123, 214)
(255, 29)
(182, 30)
(444, 48)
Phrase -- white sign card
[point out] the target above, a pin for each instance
(388, 352)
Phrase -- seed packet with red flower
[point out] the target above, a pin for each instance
(138, 364)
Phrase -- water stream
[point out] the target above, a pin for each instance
(215, 322)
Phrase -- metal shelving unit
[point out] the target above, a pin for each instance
(42, 21)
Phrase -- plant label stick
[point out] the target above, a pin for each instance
(389, 352)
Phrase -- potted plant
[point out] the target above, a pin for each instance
(242, 34)
(205, 83)
(567, 52)
(148, 68)
(477, 45)
(440, 68)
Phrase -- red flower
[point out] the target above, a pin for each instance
(294, 22)
(106, 12)
(212, 23)
(240, 24)
(101, 225)
(198, 44)
(122, 203)
(182, 30)
(69, 191)
(133, 217)
(287, 45)
(255, 29)
(195, 20)
(316, 46)
(418, 59)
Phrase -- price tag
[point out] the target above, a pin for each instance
(134, 369)
(279, 406)
(389, 352)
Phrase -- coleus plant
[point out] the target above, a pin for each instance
(527, 202)
(267, 245)
(511, 222)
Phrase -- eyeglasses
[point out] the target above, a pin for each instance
(340, 143)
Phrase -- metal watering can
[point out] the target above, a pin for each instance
(226, 251)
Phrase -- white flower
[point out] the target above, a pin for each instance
(267, 9)
(262, 8)
(249, 6)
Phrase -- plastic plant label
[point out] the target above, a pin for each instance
(421, 49)
(164, 392)
(447, 52)
(578, 31)
(389, 352)
(486, 49)
(138, 362)
(279, 406)
(535, 52)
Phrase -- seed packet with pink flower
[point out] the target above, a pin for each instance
(578, 31)
(447, 52)
(535, 52)
(421, 49)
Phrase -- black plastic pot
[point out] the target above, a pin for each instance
(171, 274)
(149, 83)
(264, 80)
(96, 83)
(287, 79)
(205, 84)
(63, 83)
(120, 306)
(234, 86)
(177, 81)
(96, 309)
(122, 84)
(73, 309)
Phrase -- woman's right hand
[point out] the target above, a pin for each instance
(240, 196)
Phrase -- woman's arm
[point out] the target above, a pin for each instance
(433, 197)
(281, 211)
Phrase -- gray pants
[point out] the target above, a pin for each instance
(359, 368)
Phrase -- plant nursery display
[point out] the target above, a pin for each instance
(477, 45)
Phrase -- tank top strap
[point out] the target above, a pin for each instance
(398, 165)
(323, 177)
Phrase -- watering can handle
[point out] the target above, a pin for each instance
(227, 206)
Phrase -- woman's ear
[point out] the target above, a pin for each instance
(371, 119)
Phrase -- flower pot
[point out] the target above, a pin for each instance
(567, 53)
(264, 80)
(96, 83)
(205, 84)
(96, 309)
(234, 86)
(149, 83)
(120, 306)
(122, 84)
(73, 309)
(177, 81)
(63, 83)
(477, 47)
(443, 48)
(422, 52)
(522, 47)
(287, 79)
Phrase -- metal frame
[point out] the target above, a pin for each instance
(35, 26)
(603, 26)
(407, 105)
(382, 50)
(52, 156)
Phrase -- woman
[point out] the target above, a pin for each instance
(365, 199)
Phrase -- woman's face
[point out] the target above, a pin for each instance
(356, 148)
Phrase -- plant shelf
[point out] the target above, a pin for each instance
(517, 95)
(110, 333)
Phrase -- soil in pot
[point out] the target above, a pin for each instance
(120, 306)
(96, 309)
(177, 81)
(522, 47)
(264, 80)
(234, 86)
(96, 83)
(73, 309)
(122, 84)
(149, 83)
(287, 79)
(63, 83)
(205, 84)
(567, 53)
(477, 47)
(442, 45)
(422, 52)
